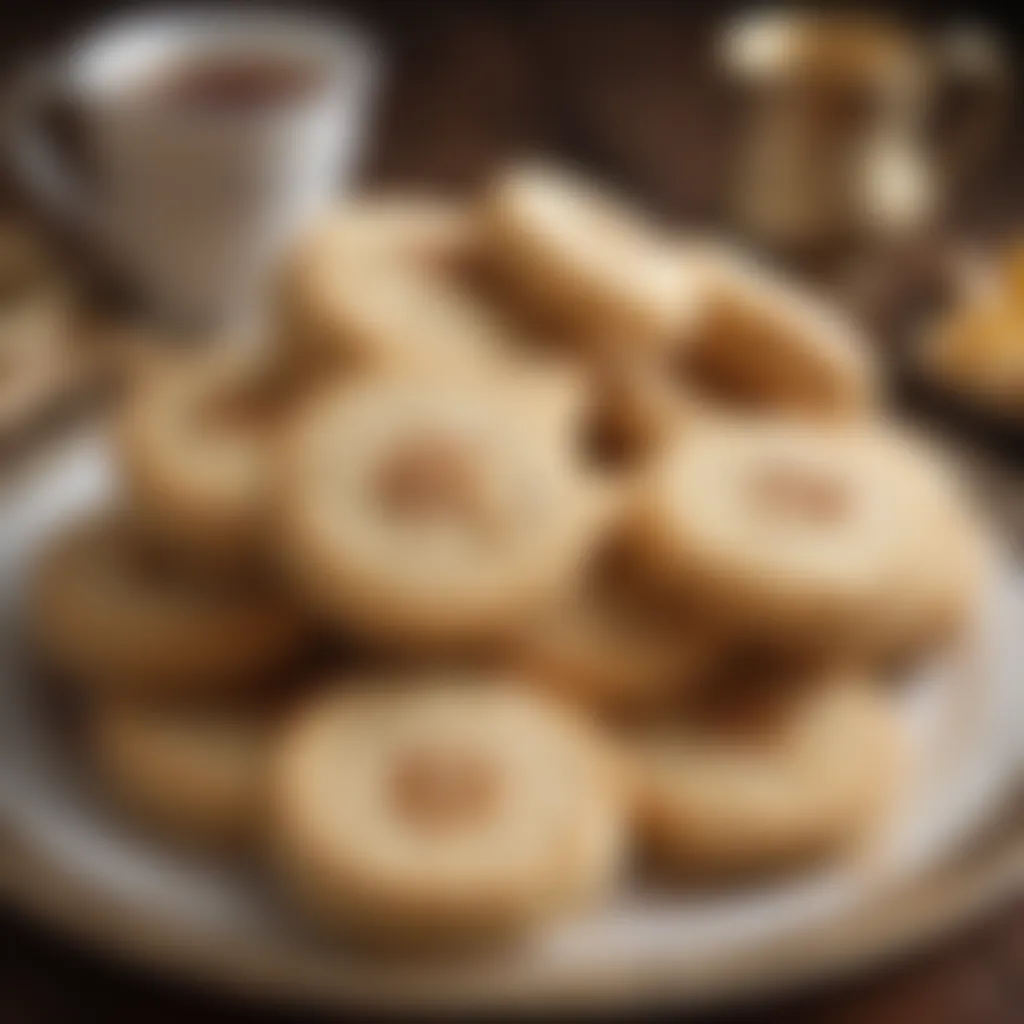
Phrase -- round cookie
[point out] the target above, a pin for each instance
(421, 229)
(121, 619)
(937, 569)
(556, 395)
(429, 514)
(377, 285)
(771, 780)
(367, 317)
(592, 267)
(196, 449)
(767, 343)
(779, 530)
(444, 813)
(196, 773)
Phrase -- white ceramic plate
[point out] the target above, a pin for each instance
(221, 923)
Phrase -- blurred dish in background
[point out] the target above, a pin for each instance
(976, 349)
(215, 136)
(835, 150)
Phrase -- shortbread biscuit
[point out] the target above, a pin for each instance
(196, 448)
(379, 286)
(774, 780)
(389, 227)
(424, 513)
(441, 812)
(937, 569)
(370, 317)
(591, 267)
(767, 342)
(195, 773)
(779, 530)
(855, 538)
(119, 618)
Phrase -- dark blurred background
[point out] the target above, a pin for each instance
(623, 87)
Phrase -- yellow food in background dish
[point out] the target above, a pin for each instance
(979, 348)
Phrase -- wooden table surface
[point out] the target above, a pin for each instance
(625, 90)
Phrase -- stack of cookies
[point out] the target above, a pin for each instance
(541, 544)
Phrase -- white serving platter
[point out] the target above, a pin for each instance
(67, 857)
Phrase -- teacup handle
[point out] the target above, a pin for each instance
(972, 61)
(34, 157)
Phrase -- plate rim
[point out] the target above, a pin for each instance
(913, 916)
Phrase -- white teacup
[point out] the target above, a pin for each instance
(214, 135)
